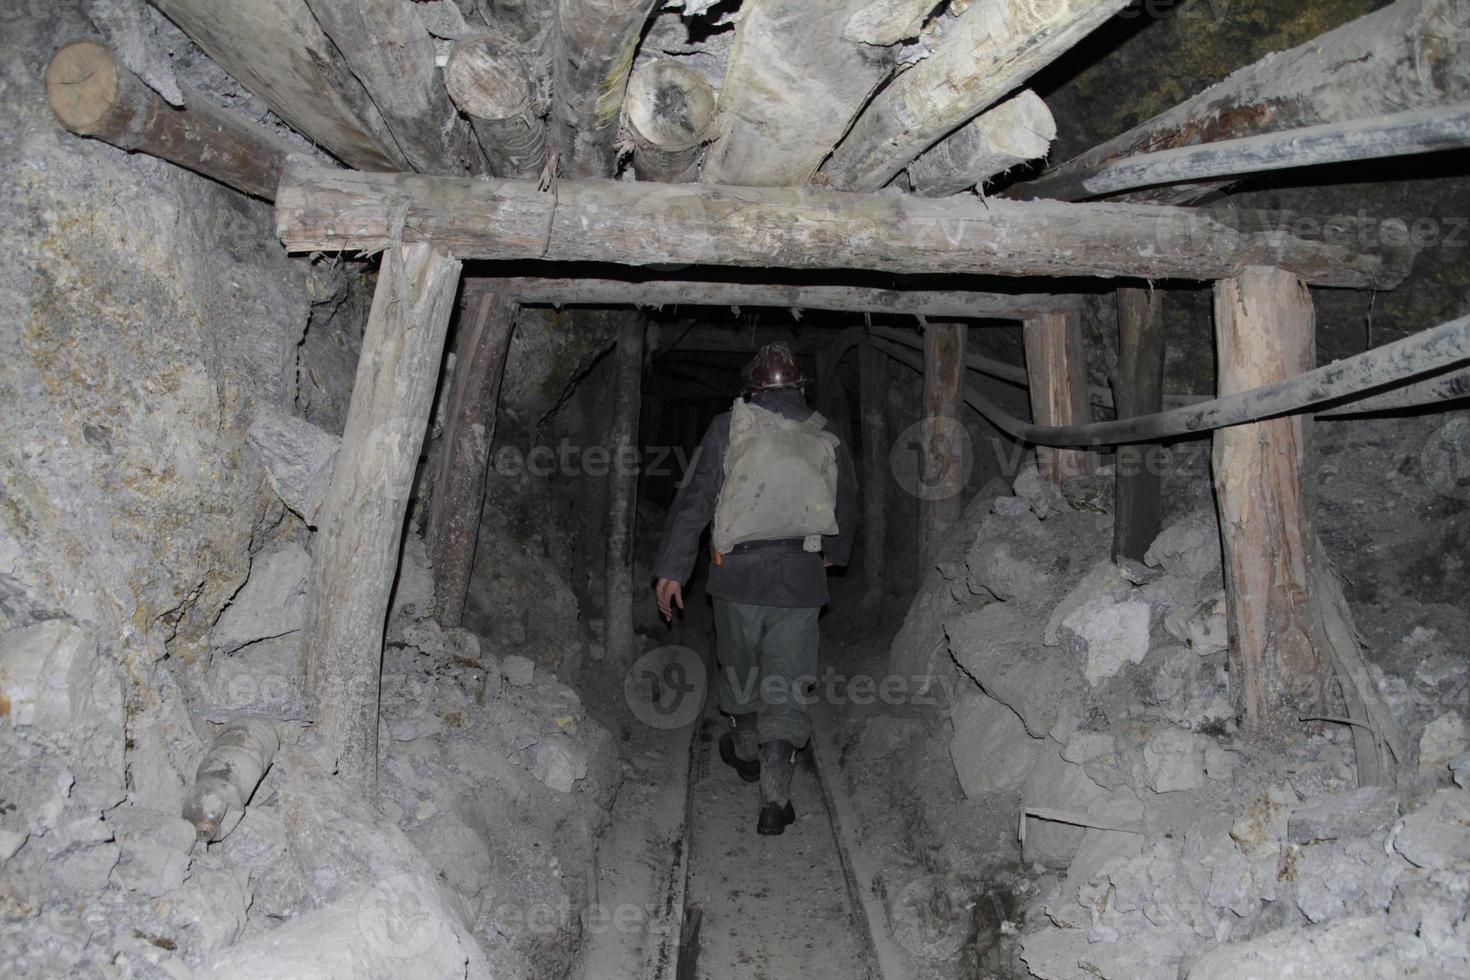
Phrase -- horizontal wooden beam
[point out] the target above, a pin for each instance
(1400, 134)
(1408, 55)
(321, 209)
(845, 299)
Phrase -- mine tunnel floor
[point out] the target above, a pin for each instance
(767, 907)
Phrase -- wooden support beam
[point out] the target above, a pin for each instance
(746, 340)
(93, 95)
(873, 404)
(320, 209)
(659, 293)
(670, 111)
(469, 435)
(387, 48)
(1137, 514)
(795, 79)
(1057, 366)
(942, 466)
(990, 51)
(622, 496)
(1408, 55)
(276, 49)
(1016, 131)
(1401, 134)
(355, 551)
(594, 47)
(491, 84)
(1265, 331)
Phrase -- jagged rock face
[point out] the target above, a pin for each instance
(142, 335)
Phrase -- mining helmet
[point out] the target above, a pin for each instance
(773, 367)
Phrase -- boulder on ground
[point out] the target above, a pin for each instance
(1190, 548)
(991, 750)
(1104, 635)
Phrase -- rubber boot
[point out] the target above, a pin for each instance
(777, 760)
(738, 748)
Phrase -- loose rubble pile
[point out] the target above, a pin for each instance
(1094, 698)
(494, 785)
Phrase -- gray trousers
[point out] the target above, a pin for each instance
(768, 665)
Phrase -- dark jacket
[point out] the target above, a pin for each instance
(792, 580)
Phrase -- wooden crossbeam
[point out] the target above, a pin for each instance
(320, 209)
(534, 291)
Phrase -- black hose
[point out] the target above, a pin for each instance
(1430, 352)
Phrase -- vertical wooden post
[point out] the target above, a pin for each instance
(1057, 368)
(355, 554)
(622, 497)
(1265, 331)
(873, 395)
(942, 468)
(1139, 391)
(459, 483)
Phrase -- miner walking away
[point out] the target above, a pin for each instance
(778, 486)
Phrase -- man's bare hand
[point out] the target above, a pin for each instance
(669, 594)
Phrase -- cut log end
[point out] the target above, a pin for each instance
(1012, 133)
(670, 106)
(486, 80)
(82, 85)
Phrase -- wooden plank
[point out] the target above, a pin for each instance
(1265, 330)
(387, 48)
(1056, 364)
(622, 496)
(1408, 55)
(990, 51)
(1137, 514)
(594, 47)
(1401, 134)
(93, 95)
(942, 465)
(873, 404)
(659, 293)
(320, 209)
(276, 49)
(355, 551)
(1014, 132)
(794, 82)
(469, 434)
